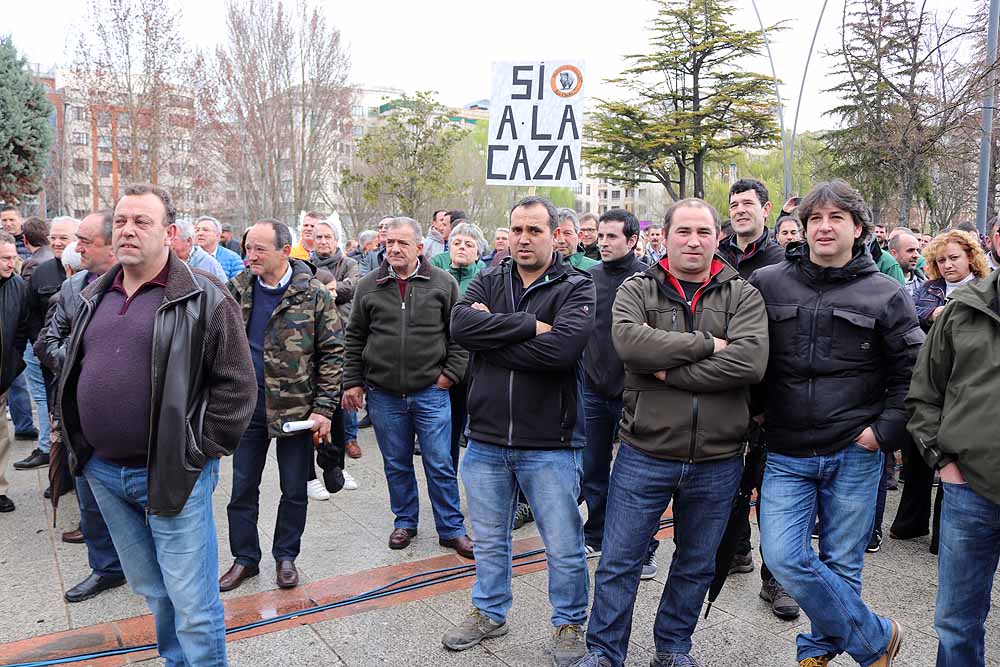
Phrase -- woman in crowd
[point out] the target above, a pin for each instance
(953, 259)
(466, 244)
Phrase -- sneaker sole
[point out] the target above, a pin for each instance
(498, 632)
(647, 577)
(742, 569)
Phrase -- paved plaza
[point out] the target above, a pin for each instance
(345, 552)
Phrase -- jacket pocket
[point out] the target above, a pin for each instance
(853, 335)
(194, 458)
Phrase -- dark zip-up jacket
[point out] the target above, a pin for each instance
(843, 344)
(603, 370)
(46, 279)
(953, 395)
(204, 388)
(702, 410)
(765, 251)
(13, 329)
(522, 389)
(402, 345)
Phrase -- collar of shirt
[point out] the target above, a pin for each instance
(159, 281)
(281, 283)
(392, 272)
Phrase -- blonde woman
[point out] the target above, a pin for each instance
(953, 259)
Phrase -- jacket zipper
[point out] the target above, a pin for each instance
(812, 359)
(689, 321)
(402, 337)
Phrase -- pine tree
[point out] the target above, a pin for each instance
(25, 132)
(689, 101)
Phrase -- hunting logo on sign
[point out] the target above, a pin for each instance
(567, 81)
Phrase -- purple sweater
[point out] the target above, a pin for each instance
(115, 384)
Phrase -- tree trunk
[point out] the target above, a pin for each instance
(699, 174)
(908, 185)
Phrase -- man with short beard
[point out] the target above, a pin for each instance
(93, 242)
(905, 249)
(588, 237)
(526, 323)
(993, 234)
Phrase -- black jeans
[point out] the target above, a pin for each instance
(914, 511)
(295, 458)
(459, 416)
(743, 545)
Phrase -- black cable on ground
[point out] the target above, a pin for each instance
(438, 576)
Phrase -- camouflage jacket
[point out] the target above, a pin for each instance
(303, 347)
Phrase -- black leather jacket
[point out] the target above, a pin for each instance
(204, 388)
(13, 329)
(50, 348)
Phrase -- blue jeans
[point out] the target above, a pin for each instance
(295, 460)
(395, 420)
(967, 563)
(841, 488)
(883, 491)
(641, 489)
(101, 552)
(550, 480)
(579, 437)
(172, 561)
(350, 424)
(36, 388)
(19, 402)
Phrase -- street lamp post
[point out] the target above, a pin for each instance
(987, 119)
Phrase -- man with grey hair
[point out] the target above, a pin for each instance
(184, 247)
(568, 240)
(399, 349)
(208, 234)
(373, 258)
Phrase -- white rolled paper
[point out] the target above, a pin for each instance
(294, 427)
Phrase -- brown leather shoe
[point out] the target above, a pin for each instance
(400, 538)
(352, 449)
(287, 575)
(236, 575)
(73, 537)
(463, 545)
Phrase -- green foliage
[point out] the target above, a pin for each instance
(25, 133)
(407, 157)
(812, 164)
(690, 101)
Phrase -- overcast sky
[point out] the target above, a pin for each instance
(449, 46)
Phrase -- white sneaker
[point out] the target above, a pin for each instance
(316, 491)
(350, 484)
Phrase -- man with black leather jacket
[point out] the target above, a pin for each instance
(94, 242)
(163, 355)
(844, 338)
(13, 337)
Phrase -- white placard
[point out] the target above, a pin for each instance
(536, 123)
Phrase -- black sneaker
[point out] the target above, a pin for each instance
(741, 564)
(523, 515)
(365, 422)
(6, 504)
(26, 435)
(875, 544)
(36, 459)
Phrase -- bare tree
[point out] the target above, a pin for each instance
(279, 104)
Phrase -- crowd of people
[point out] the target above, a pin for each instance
(577, 359)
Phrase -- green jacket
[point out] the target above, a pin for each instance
(702, 410)
(462, 276)
(580, 261)
(303, 347)
(888, 265)
(952, 399)
(401, 345)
